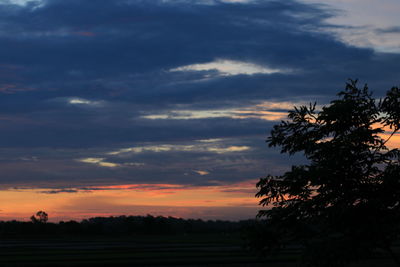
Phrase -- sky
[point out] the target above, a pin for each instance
(163, 106)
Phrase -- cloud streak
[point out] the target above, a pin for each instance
(226, 67)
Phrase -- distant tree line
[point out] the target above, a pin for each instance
(120, 225)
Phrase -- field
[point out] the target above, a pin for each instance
(125, 251)
(165, 250)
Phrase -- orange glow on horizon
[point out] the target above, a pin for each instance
(131, 199)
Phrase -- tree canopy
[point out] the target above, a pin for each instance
(344, 202)
(40, 217)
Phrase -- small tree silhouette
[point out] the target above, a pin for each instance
(40, 217)
(345, 202)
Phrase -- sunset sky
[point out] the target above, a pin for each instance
(162, 107)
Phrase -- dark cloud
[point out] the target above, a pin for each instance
(195, 163)
(389, 30)
(77, 77)
(58, 191)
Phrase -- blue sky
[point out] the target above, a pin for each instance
(106, 93)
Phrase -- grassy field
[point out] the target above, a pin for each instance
(125, 251)
(174, 250)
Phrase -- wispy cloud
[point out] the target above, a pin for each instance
(34, 3)
(199, 147)
(227, 67)
(102, 163)
(267, 110)
(82, 101)
(202, 172)
(230, 149)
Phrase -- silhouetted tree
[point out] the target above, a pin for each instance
(344, 203)
(40, 217)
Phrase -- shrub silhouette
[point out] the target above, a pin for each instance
(344, 203)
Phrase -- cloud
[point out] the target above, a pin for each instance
(389, 30)
(201, 146)
(58, 191)
(81, 101)
(226, 160)
(266, 110)
(156, 149)
(212, 140)
(229, 67)
(202, 172)
(362, 23)
(93, 99)
(209, 114)
(100, 162)
(230, 149)
(29, 3)
(129, 187)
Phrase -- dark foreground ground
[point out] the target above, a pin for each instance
(173, 250)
